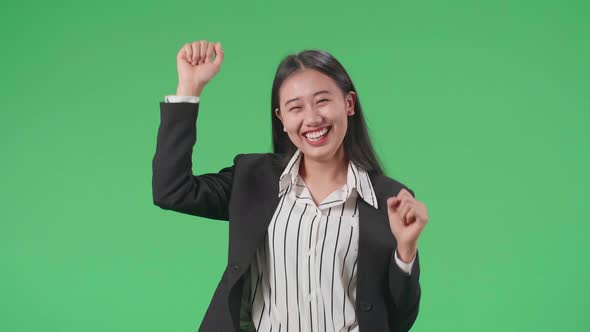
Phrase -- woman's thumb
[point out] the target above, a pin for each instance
(392, 202)
(218, 54)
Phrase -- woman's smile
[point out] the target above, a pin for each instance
(318, 137)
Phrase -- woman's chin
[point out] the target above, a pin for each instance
(319, 152)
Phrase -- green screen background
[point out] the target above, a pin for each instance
(481, 107)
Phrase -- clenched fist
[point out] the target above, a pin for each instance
(196, 66)
(407, 218)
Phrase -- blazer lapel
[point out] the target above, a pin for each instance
(374, 249)
(269, 198)
(248, 227)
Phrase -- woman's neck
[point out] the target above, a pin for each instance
(322, 173)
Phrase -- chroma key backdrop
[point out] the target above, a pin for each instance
(481, 107)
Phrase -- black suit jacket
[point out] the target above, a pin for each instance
(246, 195)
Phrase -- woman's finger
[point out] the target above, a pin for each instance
(402, 207)
(396, 203)
(404, 211)
(196, 45)
(209, 53)
(405, 193)
(188, 52)
(203, 50)
(411, 216)
(218, 54)
(404, 198)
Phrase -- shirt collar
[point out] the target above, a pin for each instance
(357, 178)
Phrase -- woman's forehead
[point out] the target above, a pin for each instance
(307, 78)
(304, 85)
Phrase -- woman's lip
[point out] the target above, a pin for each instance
(311, 131)
(319, 142)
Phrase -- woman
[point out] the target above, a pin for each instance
(319, 238)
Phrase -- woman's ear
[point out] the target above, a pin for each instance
(278, 114)
(350, 101)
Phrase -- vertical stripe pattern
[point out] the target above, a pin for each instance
(304, 276)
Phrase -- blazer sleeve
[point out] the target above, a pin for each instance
(174, 186)
(405, 291)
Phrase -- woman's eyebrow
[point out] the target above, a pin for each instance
(316, 93)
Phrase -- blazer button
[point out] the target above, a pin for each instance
(235, 267)
(366, 306)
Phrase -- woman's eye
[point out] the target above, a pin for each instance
(297, 107)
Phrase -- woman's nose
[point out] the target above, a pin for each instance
(312, 115)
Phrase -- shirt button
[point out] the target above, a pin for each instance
(309, 252)
(365, 306)
(235, 267)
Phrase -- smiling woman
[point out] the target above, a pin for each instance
(320, 239)
(309, 118)
(311, 91)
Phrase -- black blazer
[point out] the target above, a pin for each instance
(246, 195)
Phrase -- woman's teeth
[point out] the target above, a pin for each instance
(316, 135)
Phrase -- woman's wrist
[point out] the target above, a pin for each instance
(406, 252)
(189, 89)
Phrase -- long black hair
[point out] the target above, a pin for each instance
(357, 144)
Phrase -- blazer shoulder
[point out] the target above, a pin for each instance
(257, 157)
(257, 170)
(388, 186)
(262, 161)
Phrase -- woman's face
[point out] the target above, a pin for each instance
(310, 104)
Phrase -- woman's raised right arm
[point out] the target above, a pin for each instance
(174, 186)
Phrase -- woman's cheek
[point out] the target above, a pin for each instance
(296, 138)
